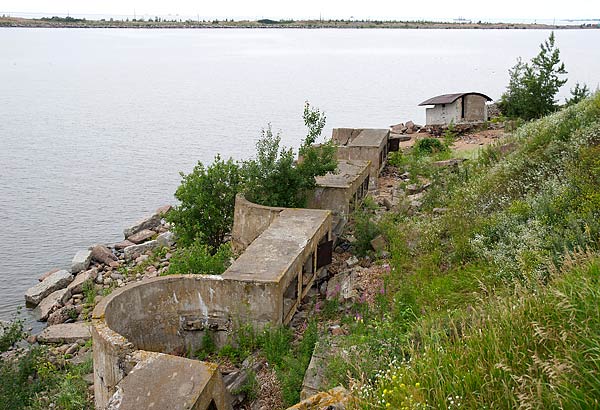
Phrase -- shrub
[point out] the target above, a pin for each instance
(428, 146)
(365, 228)
(207, 202)
(10, 333)
(273, 178)
(197, 258)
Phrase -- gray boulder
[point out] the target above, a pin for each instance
(148, 223)
(77, 285)
(166, 239)
(54, 282)
(52, 302)
(81, 261)
(102, 254)
(133, 250)
(141, 236)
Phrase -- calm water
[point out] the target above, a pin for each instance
(96, 124)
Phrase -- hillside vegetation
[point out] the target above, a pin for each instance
(494, 301)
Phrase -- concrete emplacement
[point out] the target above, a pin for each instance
(171, 314)
(367, 144)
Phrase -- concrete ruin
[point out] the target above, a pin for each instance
(367, 144)
(459, 108)
(171, 314)
(342, 191)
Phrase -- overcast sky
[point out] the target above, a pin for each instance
(391, 9)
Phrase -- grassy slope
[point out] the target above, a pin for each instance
(482, 307)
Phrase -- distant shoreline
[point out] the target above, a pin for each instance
(69, 22)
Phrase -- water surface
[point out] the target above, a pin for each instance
(96, 124)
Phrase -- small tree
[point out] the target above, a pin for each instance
(533, 86)
(207, 197)
(273, 178)
(578, 94)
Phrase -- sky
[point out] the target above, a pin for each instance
(358, 9)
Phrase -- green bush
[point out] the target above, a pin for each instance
(274, 178)
(10, 333)
(197, 258)
(207, 202)
(429, 146)
(365, 227)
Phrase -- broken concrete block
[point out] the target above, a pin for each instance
(81, 261)
(65, 333)
(161, 381)
(132, 250)
(54, 282)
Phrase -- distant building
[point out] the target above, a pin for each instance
(458, 108)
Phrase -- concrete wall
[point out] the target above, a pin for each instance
(249, 221)
(444, 114)
(339, 199)
(475, 108)
(170, 314)
(342, 136)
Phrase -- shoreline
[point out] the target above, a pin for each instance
(57, 22)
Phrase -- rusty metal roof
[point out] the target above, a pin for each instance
(450, 98)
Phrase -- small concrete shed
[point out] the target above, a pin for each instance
(459, 108)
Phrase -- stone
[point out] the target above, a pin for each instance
(163, 210)
(81, 261)
(387, 203)
(439, 211)
(235, 381)
(45, 275)
(52, 283)
(132, 250)
(114, 264)
(141, 236)
(397, 128)
(100, 279)
(52, 302)
(62, 315)
(379, 243)
(166, 239)
(409, 125)
(448, 162)
(65, 333)
(117, 276)
(102, 254)
(342, 287)
(337, 398)
(72, 349)
(123, 244)
(77, 285)
(149, 223)
(351, 261)
(412, 189)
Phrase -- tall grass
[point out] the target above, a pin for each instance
(538, 348)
